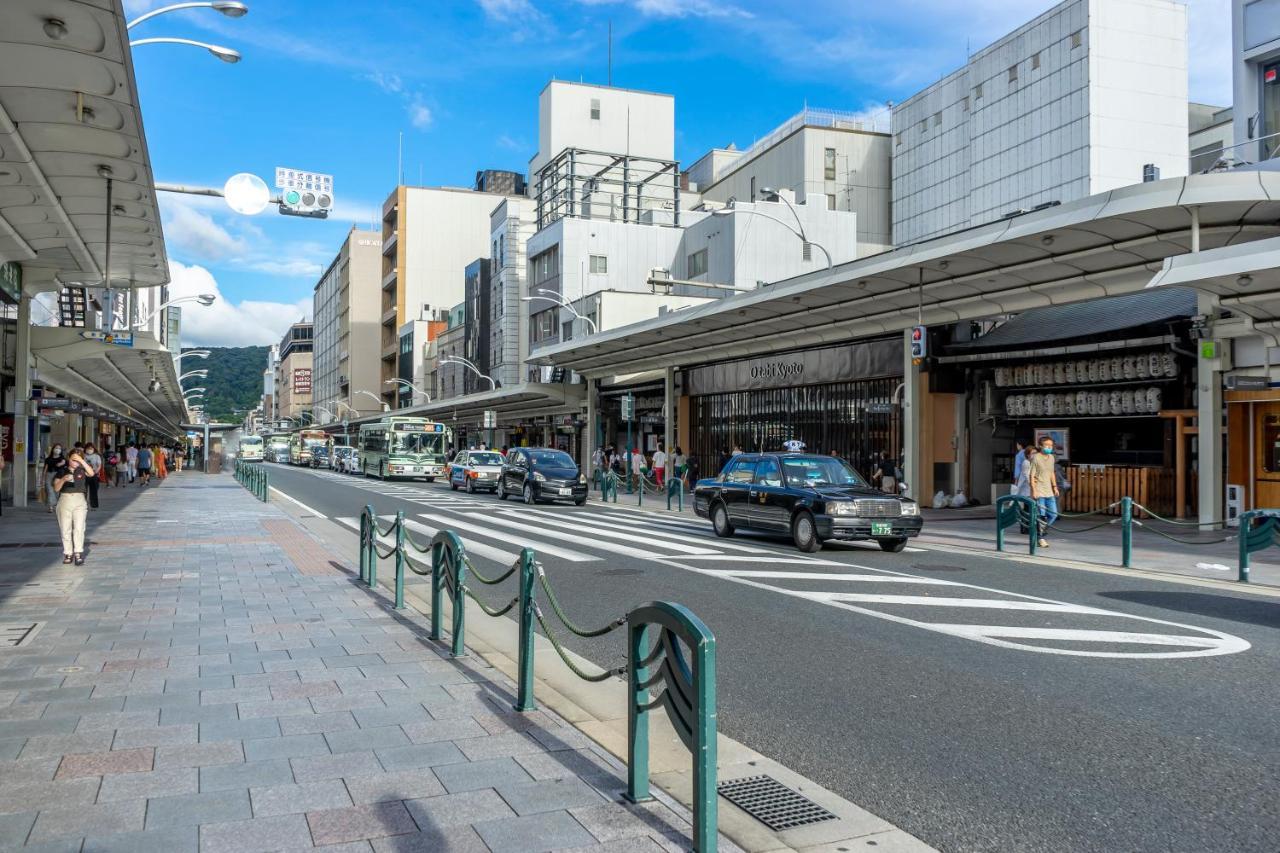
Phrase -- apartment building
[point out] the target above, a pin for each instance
(270, 410)
(347, 329)
(429, 236)
(1075, 102)
(293, 374)
(512, 225)
(825, 158)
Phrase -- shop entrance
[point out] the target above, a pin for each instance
(1266, 455)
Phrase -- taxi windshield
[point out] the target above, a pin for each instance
(812, 471)
(485, 458)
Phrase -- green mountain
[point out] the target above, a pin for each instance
(234, 383)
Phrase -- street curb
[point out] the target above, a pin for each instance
(598, 711)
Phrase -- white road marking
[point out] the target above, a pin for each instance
(537, 545)
(587, 521)
(828, 576)
(772, 560)
(940, 601)
(601, 544)
(299, 503)
(604, 531)
(481, 549)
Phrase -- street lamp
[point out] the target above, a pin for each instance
(226, 54)
(205, 299)
(201, 374)
(324, 409)
(193, 390)
(552, 296)
(381, 401)
(412, 387)
(198, 353)
(798, 231)
(230, 8)
(457, 359)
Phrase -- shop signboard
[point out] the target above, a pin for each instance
(10, 282)
(628, 407)
(880, 408)
(302, 380)
(120, 339)
(848, 362)
(490, 419)
(1247, 383)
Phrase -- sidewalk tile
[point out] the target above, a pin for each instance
(333, 721)
(259, 835)
(156, 783)
(550, 831)
(533, 797)
(256, 729)
(106, 763)
(467, 807)
(420, 755)
(47, 745)
(14, 829)
(375, 820)
(76, 821)
(369, 718)
(436, 730)
(195, 809)
(500, 746)
(251, 774)
(176, 839)
(119, 720)
(24, 772)
(366, 739)
(156, 736)
(400, 785)
(200, 754)
(324, 767)
(459, 840)
(297, 799)
(617, 821)
(481, 774)
(288, 746)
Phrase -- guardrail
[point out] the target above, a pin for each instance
(1259, 529)
(658, 634)
(253, 476)
(609, 486)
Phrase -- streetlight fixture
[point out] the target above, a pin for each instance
(200, 374)
(205, 299)
(457, 359)
(414, 388)
(198, 353)
(552, 296)
(193, 390)
(230, 8)
(381, 401)
(798, 231)
(226, 54)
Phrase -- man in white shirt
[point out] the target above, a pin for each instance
(131, 461)
(637, 464)
(659, 464)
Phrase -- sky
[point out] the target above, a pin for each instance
(329, 86)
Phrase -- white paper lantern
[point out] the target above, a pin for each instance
(1069, 372)
(1126, 401)
(1153, 399)
(1069, 404)
(1059, 373)
(1104, 370)
(1093, 370)
(1155, 364)
(1135, 368)
(1168, 364)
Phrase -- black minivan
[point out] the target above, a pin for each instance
(542, 474)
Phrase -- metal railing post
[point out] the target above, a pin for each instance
(459, 601)
(528, 577)
(1126, 532)
(638, 716)
(364, 543)
(400, 560)
(1246, 527)
(437, 563)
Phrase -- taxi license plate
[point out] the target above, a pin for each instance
(881, 528)
(566, 492)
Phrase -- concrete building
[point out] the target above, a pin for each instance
(512, 225)
(1255, 43)
(1074, 103)
(587, 117)
(478, 333)
(429, 235)
(270, 410)
(839, 158)
(1211, 136)
(450, 377)
(413, 368)
(293, 374)
(347, 328)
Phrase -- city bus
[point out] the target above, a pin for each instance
(402, 447)
(301, 443)
(251, 448)
(277, 447)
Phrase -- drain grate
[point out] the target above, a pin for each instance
(16, 634)
(772, 803)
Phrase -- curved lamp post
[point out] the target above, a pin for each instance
(798, 230)
(405, 382)
(226, 54)
(381, 402)
(205, 299)
(230, 8)
(552, 296)
(198, 353)
(200, 374)
(457, 359)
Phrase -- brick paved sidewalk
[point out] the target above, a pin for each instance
(213, 678)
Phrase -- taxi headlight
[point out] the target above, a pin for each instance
(910, 508)
(582, 478)
(840, 508)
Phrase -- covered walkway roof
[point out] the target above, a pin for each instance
(532, 399)
(1104, 245)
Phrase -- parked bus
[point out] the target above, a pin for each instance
(402, 447)
(277, 447)
(251, 448)
(301, 443)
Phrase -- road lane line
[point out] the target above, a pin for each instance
(600, 544)
(1079, 635)
(544, 547)
(298, 502)
(771, 559)
(572, 522)
(482, 549)
(823, 576)
(941, 601)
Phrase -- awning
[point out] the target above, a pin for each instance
(1104, 245)
(114, 378)
(1087, 319)
(69, 119)
(530, 400)
(1246, 278)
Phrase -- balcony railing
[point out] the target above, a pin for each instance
(1264, 149)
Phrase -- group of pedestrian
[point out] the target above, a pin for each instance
(1036, 475)
(611, 458)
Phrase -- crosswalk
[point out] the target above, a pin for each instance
(496, 531)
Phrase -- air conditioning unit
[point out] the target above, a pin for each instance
(1235, 505)
(987, 401)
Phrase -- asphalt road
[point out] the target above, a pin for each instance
(979, 704)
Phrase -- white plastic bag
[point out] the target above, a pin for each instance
(940, 500)
(959, 500)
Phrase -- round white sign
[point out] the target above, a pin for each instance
(246, 193)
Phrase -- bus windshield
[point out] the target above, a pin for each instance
(417, 442)
(314, 442)
(251, 441)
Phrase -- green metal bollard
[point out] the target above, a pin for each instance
(640, 493)
(364, 544)
(638, 717)
(459, 604)
(400, 560)
(1126, 532)
(524, 678)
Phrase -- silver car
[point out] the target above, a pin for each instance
(475, 470)
(343, 459)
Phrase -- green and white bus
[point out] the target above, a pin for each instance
(250, 448)
(402, 447)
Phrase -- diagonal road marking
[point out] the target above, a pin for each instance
(537, 545)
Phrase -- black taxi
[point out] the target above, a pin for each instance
(811, 497)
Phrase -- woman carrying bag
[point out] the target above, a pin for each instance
(71, 485)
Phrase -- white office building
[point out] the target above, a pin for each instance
(1076, 102)
(1255, 42)
(512, 224)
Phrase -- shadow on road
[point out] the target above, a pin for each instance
(1251, 611)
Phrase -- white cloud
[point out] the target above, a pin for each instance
(224, 324)
(419, 114)
(689, 9)
(506, 10)
(204, 230)
(191, 230)
(386, 82)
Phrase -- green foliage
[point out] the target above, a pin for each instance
(234, 384)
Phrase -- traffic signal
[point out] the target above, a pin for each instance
(919, 343)
(304, 202)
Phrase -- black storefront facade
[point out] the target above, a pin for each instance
(843, 399)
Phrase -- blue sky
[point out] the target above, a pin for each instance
(328, 85)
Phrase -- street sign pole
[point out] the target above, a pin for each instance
(490, 422)
(628, 413)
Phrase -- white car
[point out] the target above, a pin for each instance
(344, 459)
(475, 471)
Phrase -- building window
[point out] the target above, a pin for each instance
(1013, 74)
(698, 263)
(831, 201)
(753, 187)
(566, 333)
(1076, 39)
(1035, 61)
(924, 126)
(595, 109)
(829, 164)
(542, 326)
(977, 92)
(937, 119)
(897, 138)
(964, 104)
(599, 265)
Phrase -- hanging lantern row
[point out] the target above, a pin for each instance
(1119, 368)
(1129, 401)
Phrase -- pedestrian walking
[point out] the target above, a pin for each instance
(637, 465)
(144, 465)
(110, 467)
(131, 461)
(681, 466)
(53, 465)
(71, 484)
(1044, 485)
(158, 462)
(94, 459)
(659, 465)
(1019, 459)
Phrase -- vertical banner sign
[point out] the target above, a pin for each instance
(629, 407)
(302, 380)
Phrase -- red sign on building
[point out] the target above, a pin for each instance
(302, 380)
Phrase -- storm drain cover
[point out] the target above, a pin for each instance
(772, 803)
(16, 634)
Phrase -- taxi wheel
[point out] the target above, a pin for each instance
(805, 534)
(453, 487)
(720, 520)
(471, 486)
(893, 546)
(528, 494)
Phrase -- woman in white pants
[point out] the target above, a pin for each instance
(72, 487)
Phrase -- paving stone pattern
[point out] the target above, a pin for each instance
(215, 679)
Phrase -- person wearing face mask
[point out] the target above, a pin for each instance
(53, 465)
(1044, 485)
(94, 458)
(72, 485)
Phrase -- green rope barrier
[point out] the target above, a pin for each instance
(564, 619)
(555, 644)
